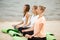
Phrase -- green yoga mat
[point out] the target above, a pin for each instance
(19, 38)
(16, 35)
(4, 30)
(12, 33)
(50, 36)
(7, 30)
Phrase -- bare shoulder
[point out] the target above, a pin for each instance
(28, 13)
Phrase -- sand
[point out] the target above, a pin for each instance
(51, 26)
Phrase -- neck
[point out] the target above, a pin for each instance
(26, 12)
(35, 14)
(40, 15)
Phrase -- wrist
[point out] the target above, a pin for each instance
(23, 30)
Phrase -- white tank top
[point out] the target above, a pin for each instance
(32, 20)
(24, 19)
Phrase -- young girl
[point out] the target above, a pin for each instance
(25, 17)
(34, 16)
(39, 27)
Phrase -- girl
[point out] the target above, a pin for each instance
(25, 17)
(34, 16)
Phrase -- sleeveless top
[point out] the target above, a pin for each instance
(24, 19)
(32, 20)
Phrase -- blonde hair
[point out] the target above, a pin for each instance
(35, 7)
(42, 8)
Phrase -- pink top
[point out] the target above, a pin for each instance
(39, 27)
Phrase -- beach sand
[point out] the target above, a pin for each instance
(51, 26)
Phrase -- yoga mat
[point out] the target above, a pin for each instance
(50, 37)
(19, 38)
(12, 33)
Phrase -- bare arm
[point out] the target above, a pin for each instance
(27, 19)
(20, 23)
(26, 22)
(37, 29)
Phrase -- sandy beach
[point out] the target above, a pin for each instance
(51, 26)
